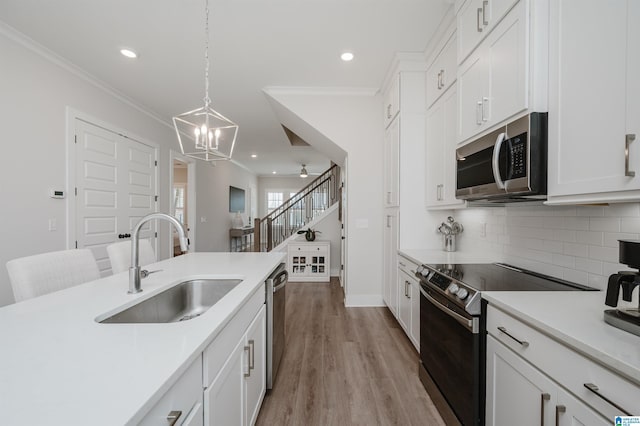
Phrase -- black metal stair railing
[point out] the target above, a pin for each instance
(292, 215)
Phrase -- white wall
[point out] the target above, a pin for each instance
(285, 184)
(353, 122)
(212, 204)
(36, 90)
(576, 243)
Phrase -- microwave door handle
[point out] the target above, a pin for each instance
(494, 160)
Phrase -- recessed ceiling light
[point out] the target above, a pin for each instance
(346, 56)
(254, 155)
(129, 53)
(274, 172)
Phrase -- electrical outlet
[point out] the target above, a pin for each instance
(203, 219)
(483, 229)
(53, 225)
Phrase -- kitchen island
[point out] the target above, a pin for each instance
(59, 366)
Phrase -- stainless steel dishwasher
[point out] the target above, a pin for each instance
(276, 290)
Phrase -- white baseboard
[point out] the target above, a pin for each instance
(363, 300)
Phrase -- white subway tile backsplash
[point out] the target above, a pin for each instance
(622, 210)
(554, 246)
(576, 243)
(573, 249)
(606, 254)
(590, 238)
(576, 223)
(611, 238)
(630, 224)
(588, 265)
(590, 211)
(565, 261)
(608, 224)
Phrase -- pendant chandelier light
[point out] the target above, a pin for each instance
(303, 172)
(204, 133)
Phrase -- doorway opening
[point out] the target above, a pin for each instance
(182, 199)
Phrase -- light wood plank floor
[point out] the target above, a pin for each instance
(344, 366)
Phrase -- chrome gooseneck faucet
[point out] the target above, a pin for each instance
(135, 274)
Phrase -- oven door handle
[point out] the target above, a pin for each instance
(471, 324)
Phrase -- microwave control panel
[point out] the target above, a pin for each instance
(518, 163)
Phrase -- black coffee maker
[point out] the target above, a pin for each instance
(627, 319)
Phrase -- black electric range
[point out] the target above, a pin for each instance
(452, 330)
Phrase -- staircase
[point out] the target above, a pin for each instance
(306, 205)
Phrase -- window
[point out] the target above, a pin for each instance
(178, 202)
(274, 200)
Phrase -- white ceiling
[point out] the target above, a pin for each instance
(254, 44)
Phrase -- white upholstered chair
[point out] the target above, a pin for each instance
(34, 276)
(120, 255)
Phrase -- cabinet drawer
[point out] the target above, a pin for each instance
(183, 397)
(567, 367)
(217, 353)
(406, 265)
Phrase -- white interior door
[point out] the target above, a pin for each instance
(115, 180)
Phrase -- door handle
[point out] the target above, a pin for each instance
(248, 373)
(173, 417)
(543, 397)
(479, 112)
(485, 101)
(494, 160)
(485, 3)
(523, 343)
(478, 27)
(593, 388)
(389, 111)
(627, 141)
(252, 355)
(559, 410)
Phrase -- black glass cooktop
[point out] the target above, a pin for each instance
(502, 277)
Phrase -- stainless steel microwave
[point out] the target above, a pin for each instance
(506, 165)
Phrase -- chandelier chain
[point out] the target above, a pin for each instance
(207, 99)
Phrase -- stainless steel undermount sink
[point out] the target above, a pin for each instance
(182, 302)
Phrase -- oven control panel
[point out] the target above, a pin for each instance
(454, 290)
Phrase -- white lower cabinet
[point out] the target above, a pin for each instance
(235, 394)
(409, 300)
(182, 402)
(390, 260)
(535, 377)
(517, 390)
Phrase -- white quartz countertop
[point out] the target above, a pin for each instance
(59, 366)
(439, 256)
(576, 320)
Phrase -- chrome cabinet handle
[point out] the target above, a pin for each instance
(442, 78)
(438, 81)
(593, 388)
(389, 111)
(478, 27)
(389, 197)
(173, 417)
(248, 373)
(627, 141)
(484, 102)
(252, 355)
(388, 221)
(559, 410)
(408, 290)
(543, 397)
(485, 3)
(523, 343)
(479, 112)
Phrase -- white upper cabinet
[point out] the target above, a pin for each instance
(493, 82)
(392, 164)
(442, 72)
(392, 101)
(440, 153)
(594, 101)
(476, 19)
